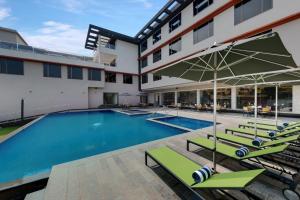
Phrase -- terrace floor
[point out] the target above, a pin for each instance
(122, 174)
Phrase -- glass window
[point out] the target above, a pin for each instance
(75, 73)
(110, 77)
(204, 31)
(187, 98)
(144, 45)
(52, 70)
(175, 22)
(10, 66)
(156, 77)
(144, 62)
(249, 8)
(127, 79)
(94, 75)
(144, 78)
(156, 36)
(223, 97)
(157, 56)
(168, 98)
(110, 98)
(200, 5)
(175, 46)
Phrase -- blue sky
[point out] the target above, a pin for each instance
(61, 25)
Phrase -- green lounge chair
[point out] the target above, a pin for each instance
(248, 142)
(182, 169)
(261, 133)
(265, 127)
(273, 123)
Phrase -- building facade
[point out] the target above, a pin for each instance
(120, 72)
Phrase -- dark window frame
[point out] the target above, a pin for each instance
(127, 79)
(6, 66)
(204, 4)
(156, 36)
(157, 77)
(144, 78)
(171, 51)
(144, 45)
(93, 75)
(174, 20)
(110, 77)
(210, 30)
(49, 70)
(72, 70)
(240, 10)
(144, 62)
(156, 56)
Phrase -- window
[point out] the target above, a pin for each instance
(144, 62)
(250, 8)
(187, 98)
(110, 77)
(175, 22)
(175, 46)
(157, 56)
(94, 75)
(168, 98)
(200, 5)
(127, 79)
(156, 77)
(204, 31)
(156, 36)
(75, 73)
(144, 78)
(52, 70)
(9, 66)
(144, 45)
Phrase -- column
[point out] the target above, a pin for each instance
(233, 98)
(296, 99)
(160, 99)
(198, 97)
(175, 98)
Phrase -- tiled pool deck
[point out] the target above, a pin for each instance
(122, 174)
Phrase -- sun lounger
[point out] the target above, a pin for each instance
(266, 127)
(248, 142)
(261, 133)
(182, 169)
(273, 123)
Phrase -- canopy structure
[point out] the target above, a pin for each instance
(252, 56)
(290, 77)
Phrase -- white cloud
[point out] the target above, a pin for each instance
(4, 13)
(4, 10)
(74, 6)
(146, 3)
(60, 37)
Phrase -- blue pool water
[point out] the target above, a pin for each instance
(64, 137)
(186, 122)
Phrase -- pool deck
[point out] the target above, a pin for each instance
(122, 174)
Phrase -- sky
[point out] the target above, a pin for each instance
(61, 25)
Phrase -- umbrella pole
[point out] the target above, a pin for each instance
(255, 108)
(215, 120)
(276, 104)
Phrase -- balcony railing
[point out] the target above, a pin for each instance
(30, 49)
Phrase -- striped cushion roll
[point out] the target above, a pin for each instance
(280, 128)
(285, 124)
(272, 133)
(242, 151)
(257, 142)
(203, 174)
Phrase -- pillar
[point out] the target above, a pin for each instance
(198, 101)
(160, 99)
(233, 98)
(175, 98)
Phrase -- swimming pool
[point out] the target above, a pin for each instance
(63, 137)
(186, 122)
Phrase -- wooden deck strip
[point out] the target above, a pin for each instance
(122, 174)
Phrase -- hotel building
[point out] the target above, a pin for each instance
(120, 72)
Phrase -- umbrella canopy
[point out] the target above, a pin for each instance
(272, 78)
(255, 55)
(260, 54)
